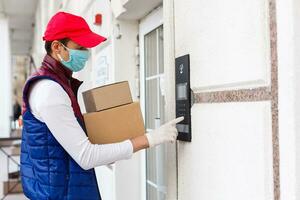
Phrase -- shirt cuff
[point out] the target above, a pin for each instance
(129, 149)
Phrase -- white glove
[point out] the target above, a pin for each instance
(165, 133)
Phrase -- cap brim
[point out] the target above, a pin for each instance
(89, 40)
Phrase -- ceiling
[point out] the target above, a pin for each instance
(137, 9)
(21, 14)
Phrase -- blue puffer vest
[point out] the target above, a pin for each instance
(48, 172)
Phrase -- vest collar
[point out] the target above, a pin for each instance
(62, 72)
(56, 67)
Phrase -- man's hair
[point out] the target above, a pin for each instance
(49, 43)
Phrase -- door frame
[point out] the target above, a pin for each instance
(150, 22)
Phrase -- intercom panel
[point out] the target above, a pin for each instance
(184, 97)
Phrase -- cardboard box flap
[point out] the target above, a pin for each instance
(107, 96)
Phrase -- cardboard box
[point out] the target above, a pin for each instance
(107, 96)
(115, 124)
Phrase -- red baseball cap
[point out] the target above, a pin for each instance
(65, 25)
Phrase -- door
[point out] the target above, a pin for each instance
(152, 101)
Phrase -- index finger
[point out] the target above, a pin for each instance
(177, 120)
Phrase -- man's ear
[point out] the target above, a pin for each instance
(55, 47)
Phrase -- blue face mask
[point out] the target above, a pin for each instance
(77, 59)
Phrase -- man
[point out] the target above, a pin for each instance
(57, 159)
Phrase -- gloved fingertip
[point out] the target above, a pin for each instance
(177, 120)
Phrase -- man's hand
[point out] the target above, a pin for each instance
(165, 133)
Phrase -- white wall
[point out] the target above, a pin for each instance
(169, 63)
(296, 81)
(5, 79)
(5, 88)
(126, 59)
(41, 19)
(230, 156)
(288, 15)
(235, 33)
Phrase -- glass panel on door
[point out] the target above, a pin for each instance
(154, 113)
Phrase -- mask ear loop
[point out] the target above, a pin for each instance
(59, 56)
